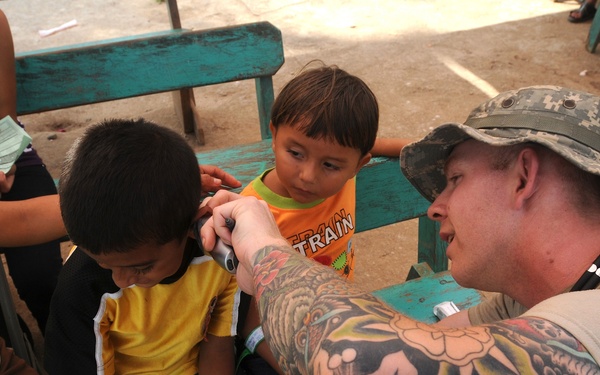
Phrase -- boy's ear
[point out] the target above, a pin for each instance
(362, 162)
(273, 134)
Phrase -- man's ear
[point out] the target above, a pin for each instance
(526, 171)
(362, 162)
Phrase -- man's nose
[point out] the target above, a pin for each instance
(437, 210)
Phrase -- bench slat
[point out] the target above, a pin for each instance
(150, 63)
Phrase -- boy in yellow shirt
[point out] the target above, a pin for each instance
(137, 295)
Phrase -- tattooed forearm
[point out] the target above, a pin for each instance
(316, 322)
(307, 313)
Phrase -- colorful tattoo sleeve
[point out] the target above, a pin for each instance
(316, 323)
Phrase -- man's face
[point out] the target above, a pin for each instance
(308, 169)
(473, 210)
(144, 266)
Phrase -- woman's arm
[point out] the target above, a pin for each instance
(30, 221)
(8, 80)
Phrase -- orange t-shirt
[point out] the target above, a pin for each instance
(321, 230)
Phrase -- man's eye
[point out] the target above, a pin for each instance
(454, 179)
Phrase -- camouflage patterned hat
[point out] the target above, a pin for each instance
(563, 120)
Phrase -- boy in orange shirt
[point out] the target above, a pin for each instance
(324, 125)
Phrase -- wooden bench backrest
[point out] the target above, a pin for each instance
(150, 63)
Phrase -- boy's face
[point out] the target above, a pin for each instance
(144, 266)
(308, 169)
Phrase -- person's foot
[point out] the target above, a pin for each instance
(585, 13)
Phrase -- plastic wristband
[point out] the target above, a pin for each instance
(254, 338)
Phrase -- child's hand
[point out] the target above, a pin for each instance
(6, 180)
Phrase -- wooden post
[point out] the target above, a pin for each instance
(183, 100)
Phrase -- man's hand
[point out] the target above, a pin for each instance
(214, 178)
(6, 180)
(255, 229)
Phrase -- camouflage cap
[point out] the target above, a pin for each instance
(563, 120)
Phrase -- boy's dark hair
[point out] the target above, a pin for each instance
(329, 103)
(127, 183)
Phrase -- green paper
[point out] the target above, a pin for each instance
(13, 140)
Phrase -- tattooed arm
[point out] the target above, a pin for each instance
(316, 323)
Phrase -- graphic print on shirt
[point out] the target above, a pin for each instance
(311, 242)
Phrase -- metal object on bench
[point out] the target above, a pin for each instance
(417, 298)
(151, 63)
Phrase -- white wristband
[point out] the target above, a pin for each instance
(254, 338)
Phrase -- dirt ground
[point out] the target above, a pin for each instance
(428, 62)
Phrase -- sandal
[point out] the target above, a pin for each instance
(586, 13)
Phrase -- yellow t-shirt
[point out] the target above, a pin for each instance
(320, 230)
(97, 327)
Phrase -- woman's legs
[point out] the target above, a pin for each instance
(585, 13)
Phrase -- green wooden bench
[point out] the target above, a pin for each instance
(148, 64)
(384, 196)
(110, 70)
